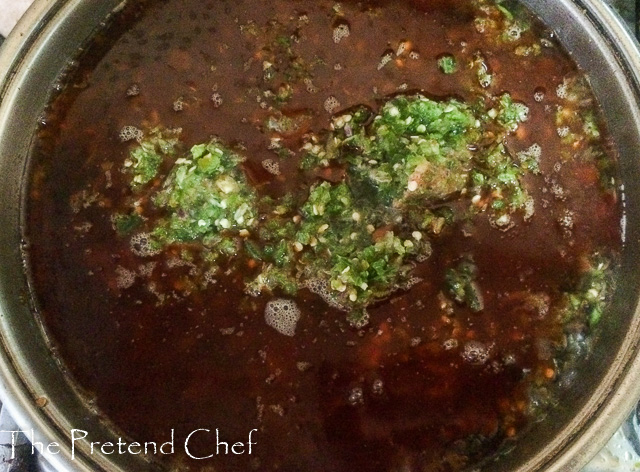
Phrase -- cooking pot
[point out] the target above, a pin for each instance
(48, 406)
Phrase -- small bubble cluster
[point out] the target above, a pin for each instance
(145, 270)
(561, 90)
(271, 166)
(514, 32)
(522, 110)
(377, 387)
(282, 315)
(533, 152)
(178, 105)
(450, 344)
(124, 277)
(538, 94)
(475, 352)
(340, 32)
(133, 90)
(331, 104)
(411, 282)
(529, 209)
(386, 59)
(321, 288)
(141, 245)
(216, 98)
(129, 133)
(567, 219)
(310, 87)
(356, 396)
(402, 48)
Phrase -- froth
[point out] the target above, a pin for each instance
(331, 104)
(271, 166)
(282, 315)
(141, 245)
(129, 133)
(475, 352)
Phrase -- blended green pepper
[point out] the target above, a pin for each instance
(360, 238)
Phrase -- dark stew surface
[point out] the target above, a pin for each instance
(380, 233)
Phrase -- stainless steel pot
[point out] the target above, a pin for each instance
(33, 383)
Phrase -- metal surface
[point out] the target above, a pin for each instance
(593, 407)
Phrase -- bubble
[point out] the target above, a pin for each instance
(271, 166)
(402, 48)
(178, 105)
(356, 396)
(321, 288)
(282, 315)
(210, 276)
(567, 219)
(475, 352)
(129, 133)
(124, 277)
(277, 409)
(142, 246)
(535, 150)
(561, 90)
(411, 282)
(216, 98)
(341, 31)
(414, 55)
(331, 104)
(450, 344)
(310, 87)
(514, 32)
(377, 387)
(145, 270)
(385, 59)
(529, 208)
(522, 110)
(538, 94)
(133, 90)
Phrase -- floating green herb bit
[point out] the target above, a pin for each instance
(511, 113)
(415, 148)
(485, 78)
(145, 159)
(360, 263)
(126, 224)
(205, 193)
(498, 179)
(462, 286)
(499, 23)
(447, 64)
(588, 301)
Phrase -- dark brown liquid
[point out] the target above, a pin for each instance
(153, 366)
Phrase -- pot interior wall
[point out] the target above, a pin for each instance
(31, 61)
